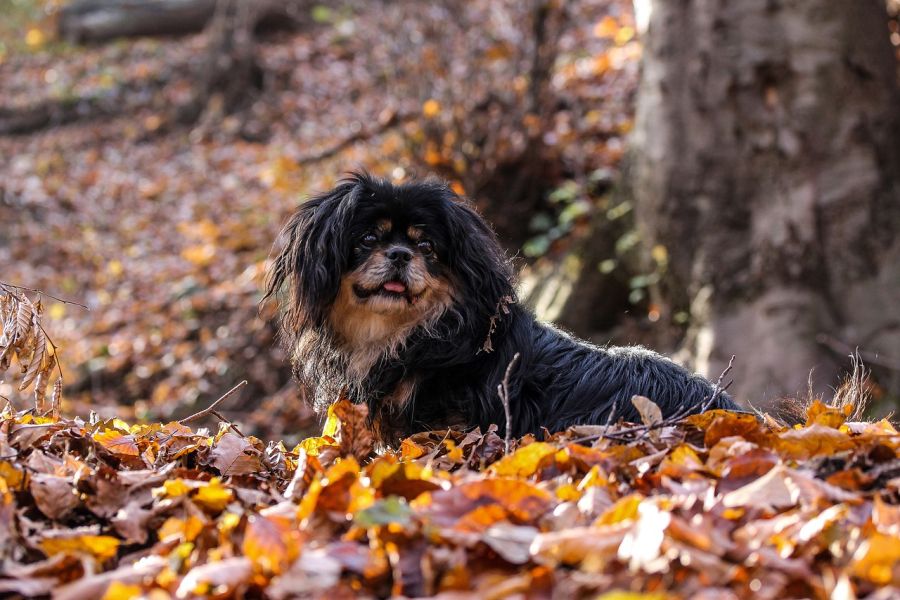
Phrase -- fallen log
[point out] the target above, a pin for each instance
(99, 20)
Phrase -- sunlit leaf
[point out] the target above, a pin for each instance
(878, 559)
(117, 442)
(524, 462)
(213, 496)
(271, 543)
(101, 547)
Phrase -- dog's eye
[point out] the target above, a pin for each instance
(369, 239)
(425, 247)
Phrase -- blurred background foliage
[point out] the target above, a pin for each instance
(148, 163)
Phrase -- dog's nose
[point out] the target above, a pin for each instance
(399, 255)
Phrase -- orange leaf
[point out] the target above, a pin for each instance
(117, 442)
(271, 542)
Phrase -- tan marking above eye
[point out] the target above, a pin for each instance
(414, 233)
(383, 225)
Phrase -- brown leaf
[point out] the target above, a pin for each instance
(226, 574)
(649, 411)
(234, 455)
(36, 364)
(23, 319)
(512, 542)
(94, 586)
(812, 441)
(769, 492)
(55, 496)
(352, 432)
(522, 500)
(572, 546)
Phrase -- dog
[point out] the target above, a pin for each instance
(401, 297)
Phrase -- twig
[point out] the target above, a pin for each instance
(503, 392)
(233, 427)
(43, 293)
(211, 410)
(718, 389)
(609, 418)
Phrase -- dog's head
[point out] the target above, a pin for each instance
(370, 262)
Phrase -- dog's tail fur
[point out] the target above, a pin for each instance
(853, 392)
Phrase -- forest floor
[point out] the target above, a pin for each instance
(162, 229)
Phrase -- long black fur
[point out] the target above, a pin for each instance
(457, 363)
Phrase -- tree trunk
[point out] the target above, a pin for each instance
(766, 159)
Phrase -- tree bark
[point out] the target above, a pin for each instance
(766, 159)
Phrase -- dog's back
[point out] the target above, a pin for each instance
(581, 383)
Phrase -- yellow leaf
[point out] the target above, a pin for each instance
(593, 478)
(101, 547)
(624, 35)
(183, 530)
(660, 254)
(175, 487)
(431, 108)
(524, 461)
(313, 446)
(568, 492)
(34, 37)
(57, 311)
(122, 591)
(228, 522)
(213, 496)
(115, 268)
(10, 474)
(455, 453)
(878, 560)
(201, 254)
(624, 509)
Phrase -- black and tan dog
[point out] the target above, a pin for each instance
(401, 297)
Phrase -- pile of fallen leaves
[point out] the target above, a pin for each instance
(722, 506)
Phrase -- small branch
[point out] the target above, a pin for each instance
(233, 427)
(718, 389)
(5, 285)
(609, 418)
(503, 392)
(211, 409)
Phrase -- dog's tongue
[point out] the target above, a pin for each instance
(395, 286)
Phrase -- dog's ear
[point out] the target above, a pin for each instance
(313, 257)
(478, 260)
